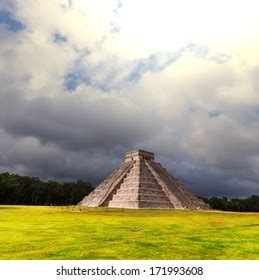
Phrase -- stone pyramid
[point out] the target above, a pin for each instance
(140, 182)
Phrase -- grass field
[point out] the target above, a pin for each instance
(82, 233)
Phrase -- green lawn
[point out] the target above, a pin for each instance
(77, 233)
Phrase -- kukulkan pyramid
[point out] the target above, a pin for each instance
(140, 182)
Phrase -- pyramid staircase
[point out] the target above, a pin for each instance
(102, 193)
(140, 182)
(140, 189)
(176, 188)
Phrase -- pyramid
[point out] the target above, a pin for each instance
(140, 182)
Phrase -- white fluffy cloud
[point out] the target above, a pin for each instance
(84, 81)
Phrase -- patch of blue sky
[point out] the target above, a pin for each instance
(219, 58)
(112, 77)
(80, 74)
(115, 29)
(198, 50)
(59, 38)
(118, 5)
(214, 114)
(72, 80)
(10, 22)
(206, 52)
(154, 63)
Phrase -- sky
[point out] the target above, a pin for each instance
(84, 81)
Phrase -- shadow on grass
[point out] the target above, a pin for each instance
(251, 225)
(8, 207)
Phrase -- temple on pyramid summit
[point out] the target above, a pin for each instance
(140, 182)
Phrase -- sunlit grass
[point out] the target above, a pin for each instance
(102, 233)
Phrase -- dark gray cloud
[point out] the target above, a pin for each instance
(67, 139)
(68, 122)
(69, 112)
(207, 180)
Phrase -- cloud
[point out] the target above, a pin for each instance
(116, 72)
(76, 95)
(58, 38)
(71, 121)
(7, 19)
(214, 114)
(118, 5)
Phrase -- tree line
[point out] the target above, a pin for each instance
(249, 204)
(25, 190)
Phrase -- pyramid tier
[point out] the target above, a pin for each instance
(141, 204)
(124, 204)
(155, 204)
(140, 196)
(144, 179)
(132, 188)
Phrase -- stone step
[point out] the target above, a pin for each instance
(139, 166)
(137, 185)
(155, 204)
(175, 195)
(124, 204)
(139, 163)
(130, 189)
(117, 170)
(141, 184)
(128, 192)
(140, 204)
(138, 173)
(141, 179)
(94, 198)
(140, 196)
